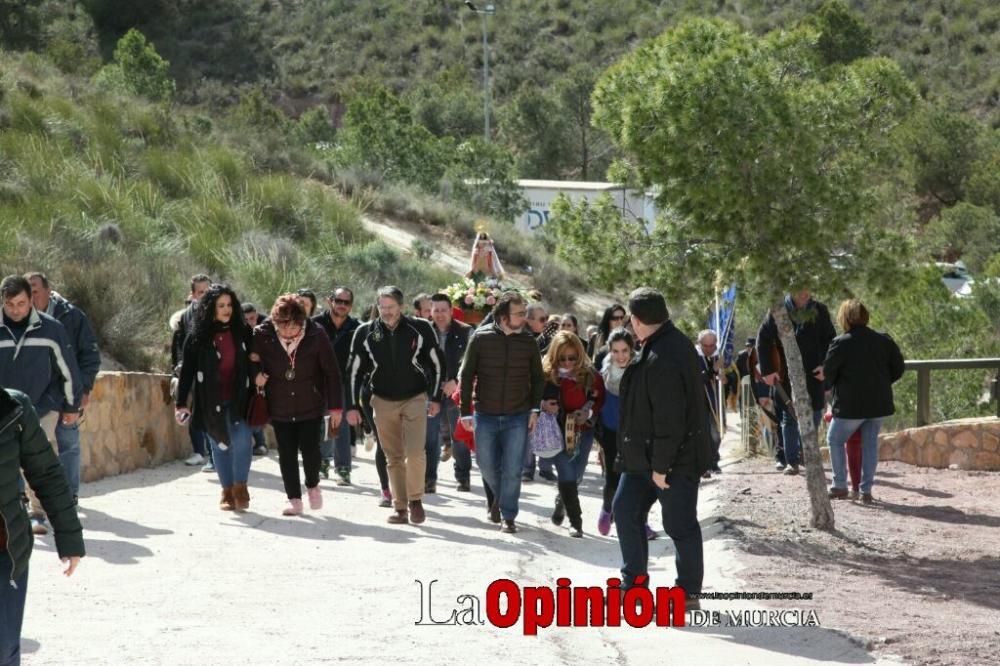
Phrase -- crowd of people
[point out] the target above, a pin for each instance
(522, 391)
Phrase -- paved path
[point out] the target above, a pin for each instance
(170, 579)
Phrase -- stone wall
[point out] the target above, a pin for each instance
(130, 424)
(968, 443)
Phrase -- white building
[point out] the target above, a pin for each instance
(541, 193)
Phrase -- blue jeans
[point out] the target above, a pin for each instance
(199, 441)
(258, 437)
(679, 502)
(338, 449)
(11, 612)
(233, 464)
(459, 451)
(838, 434)
(572, 469)
(530, 459)
(500, 444)
(68, 443)
(433, 447)
(790, 436)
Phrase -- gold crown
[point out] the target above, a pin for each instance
(481, 226)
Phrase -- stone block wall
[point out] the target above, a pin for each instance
(129, 425)
(972, 444)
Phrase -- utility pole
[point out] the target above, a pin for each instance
(485, 12)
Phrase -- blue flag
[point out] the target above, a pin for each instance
(727, 313)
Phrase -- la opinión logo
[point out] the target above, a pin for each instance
(508, 604)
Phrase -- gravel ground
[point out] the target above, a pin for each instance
(916, 574)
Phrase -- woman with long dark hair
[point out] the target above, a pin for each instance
(575, 392)
(295, 363)
(614, 317)
(217, 364)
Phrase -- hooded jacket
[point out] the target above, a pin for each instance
(23, 446)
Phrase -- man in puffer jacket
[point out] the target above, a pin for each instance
(36, 358)
(88, 359)
(23, 446)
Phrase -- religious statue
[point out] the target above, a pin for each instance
(484, 264)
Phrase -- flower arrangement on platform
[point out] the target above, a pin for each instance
(481, 296)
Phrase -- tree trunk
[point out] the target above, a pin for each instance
(822, 511)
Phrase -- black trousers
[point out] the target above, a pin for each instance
(294, 438)
(609, 443)
(636, 495)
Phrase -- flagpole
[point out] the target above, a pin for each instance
(718, 349)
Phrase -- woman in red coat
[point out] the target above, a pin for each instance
(575, 392)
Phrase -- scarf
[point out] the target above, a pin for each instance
(291, 346)
(612, 375)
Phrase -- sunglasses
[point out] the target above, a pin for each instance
(341, 301)
(617, 318)
(569, 359)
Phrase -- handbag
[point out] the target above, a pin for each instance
(258, 415)
(547, 438)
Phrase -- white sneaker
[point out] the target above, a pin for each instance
(195, 459)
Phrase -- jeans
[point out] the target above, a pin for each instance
(571, 469)
(459, 450)
(199, 441)
(433, 446)
(679, 502)
(838, 434)
(68, 442)
(233, 464)
(790, 436)
(544, 464)
(11, 612)
(258, 437)
(338, 449)
(500, 444)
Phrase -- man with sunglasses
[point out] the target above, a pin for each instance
(339, 326)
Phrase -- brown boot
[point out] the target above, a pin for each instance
(241, 496)
(417, 514)
(227, 503)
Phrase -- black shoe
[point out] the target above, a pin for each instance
(430, 488)
(837, 493)
(866, 498)
(548, 476)
(260, 450)
(463, 487)
(508, 527)
(495, 513)
(527, 478)
(576, 531)
(716, 470)
(559, 513)
(692, 603)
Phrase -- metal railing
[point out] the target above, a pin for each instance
(923, 370)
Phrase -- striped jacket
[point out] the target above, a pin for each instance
(42, 364)
(399, 363)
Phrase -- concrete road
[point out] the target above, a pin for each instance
(170, 579)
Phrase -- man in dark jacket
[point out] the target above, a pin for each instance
(88, 359)
(502, 373)
(37, 358)
(452, 337)
(663, 443)
(813, 332)
(339, 326)
(399, 357)
(182, 327)
(23, 446)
